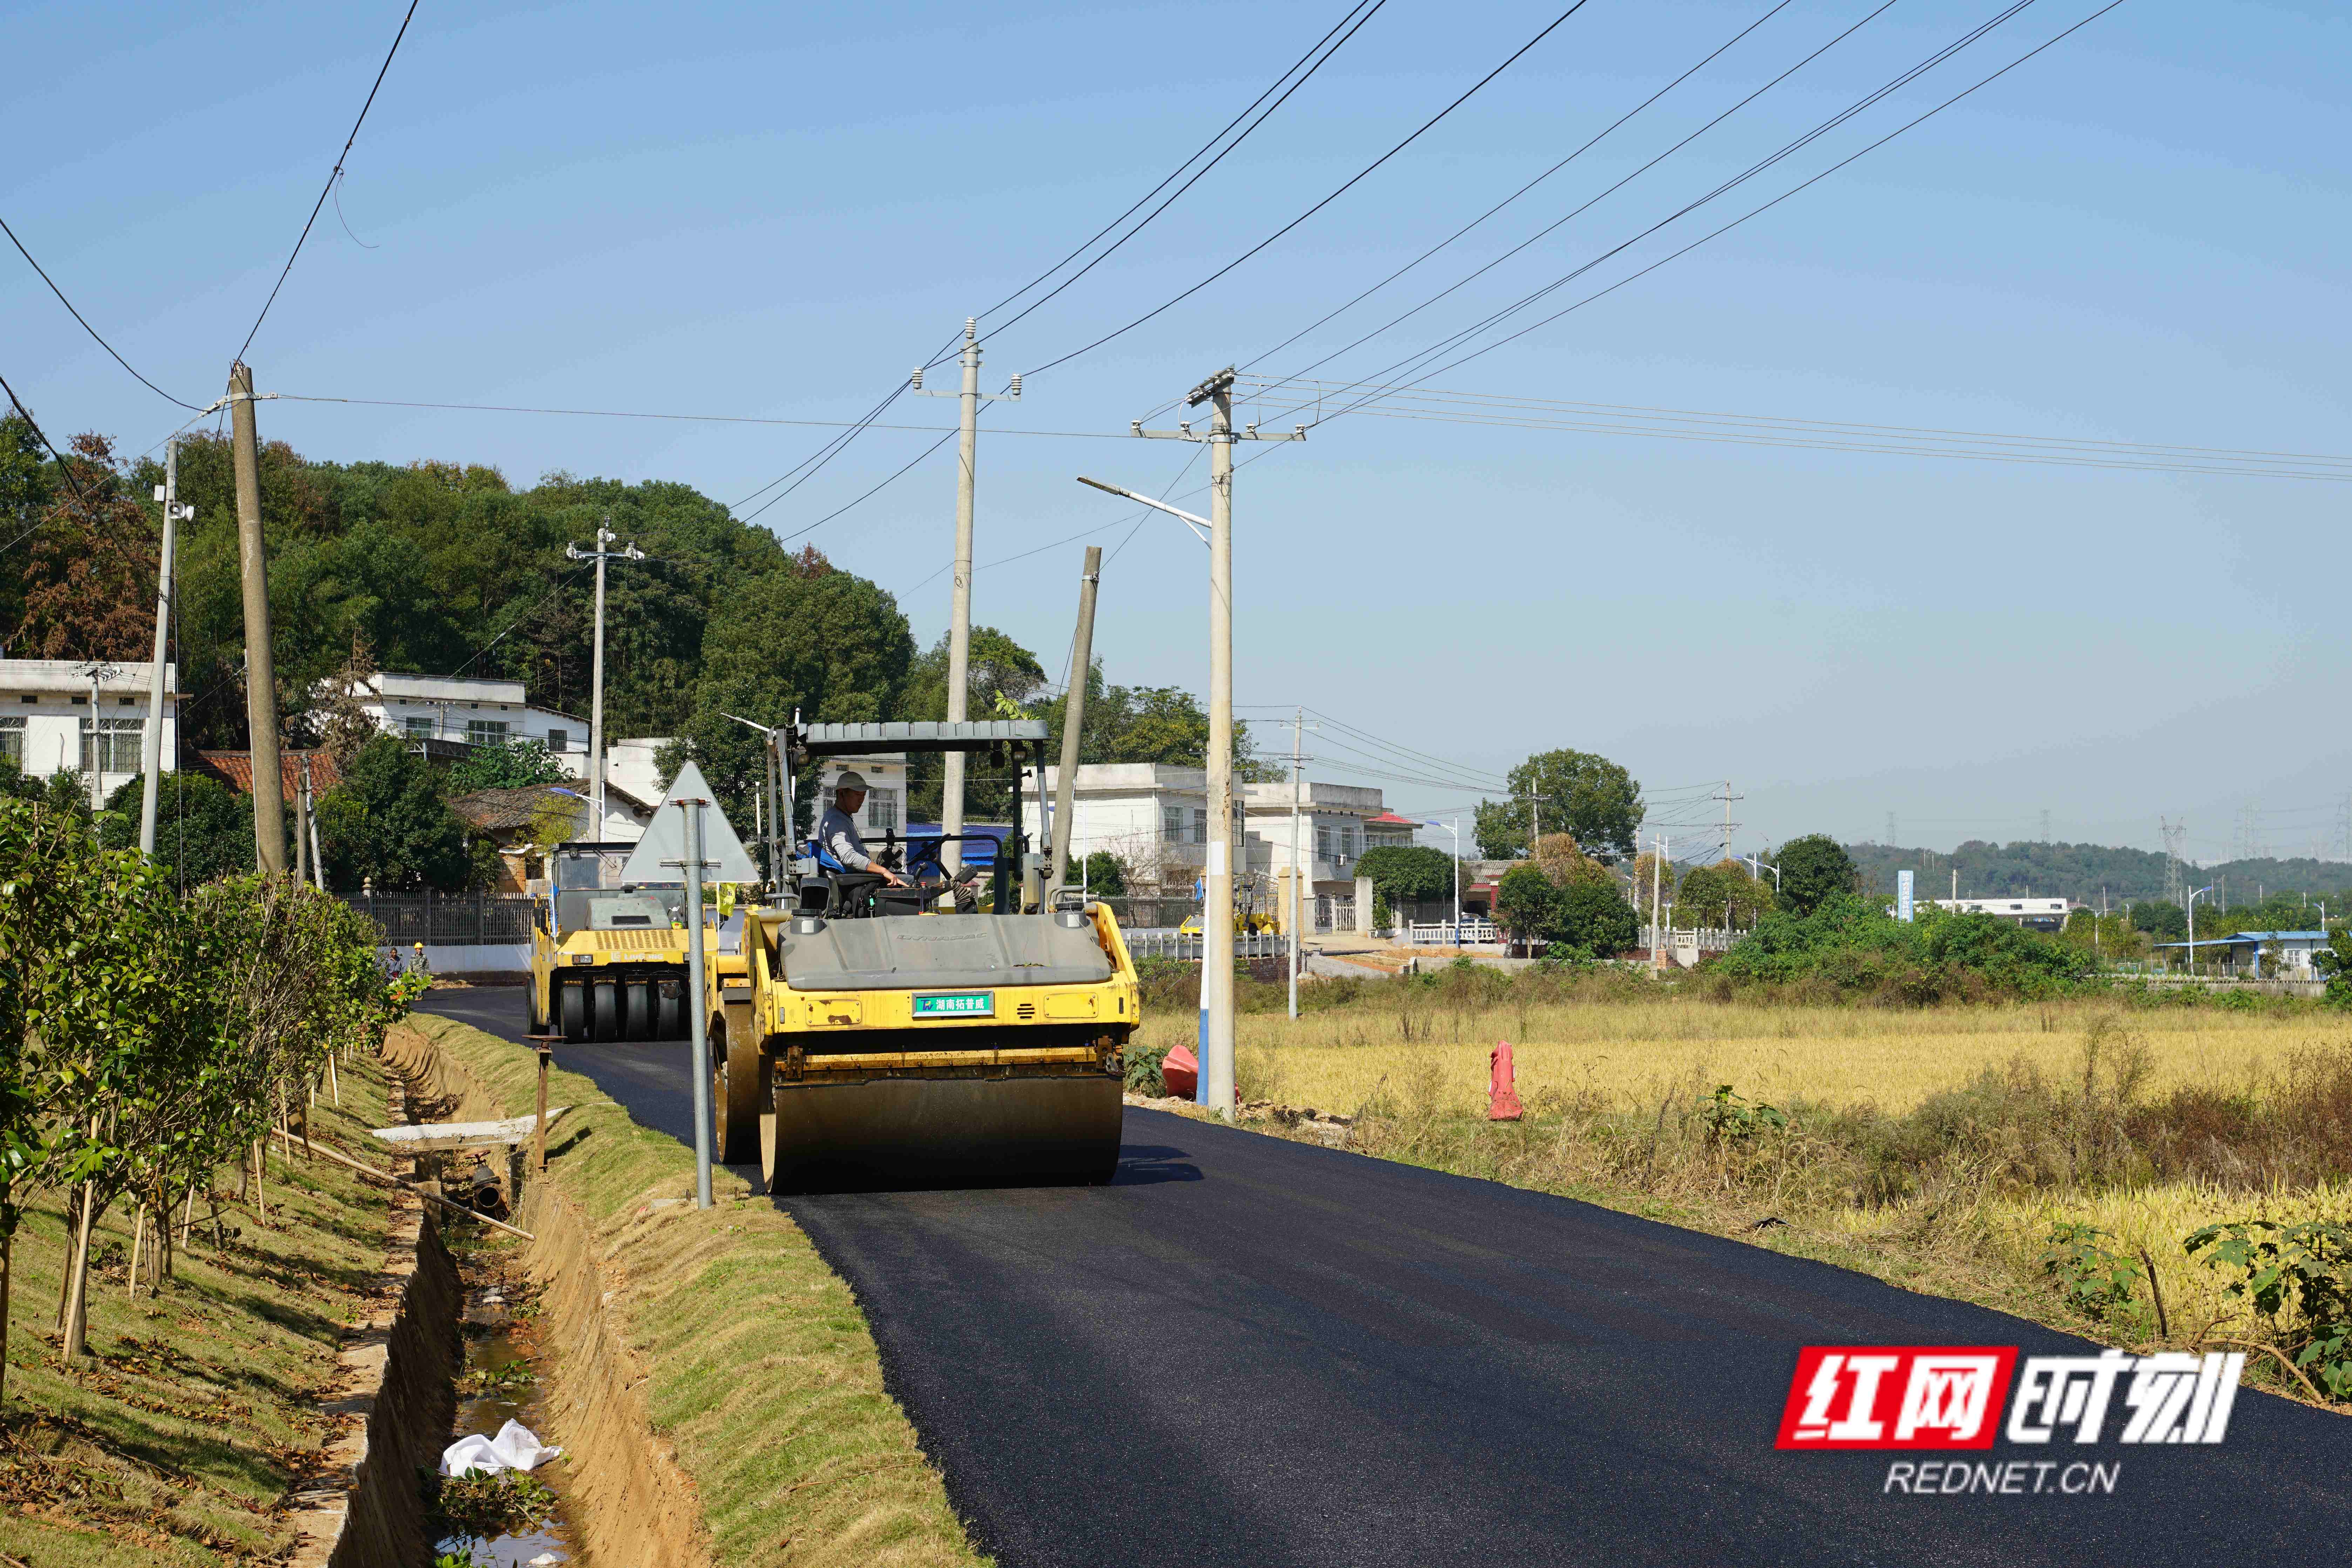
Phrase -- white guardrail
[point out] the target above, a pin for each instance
(1188, 946)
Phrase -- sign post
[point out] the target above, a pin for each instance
(1903, 885)
(698, 1021)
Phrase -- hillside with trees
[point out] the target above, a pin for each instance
(2085, 871)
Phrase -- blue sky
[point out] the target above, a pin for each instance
(776, 211)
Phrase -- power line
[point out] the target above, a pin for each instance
(1455, 338)
(1444, 345)
(1837, 428)
(837, 512)
(77, 315)
(1326, 202)
(2046, 457)
(1555, 169)
(691, 418)
(1303, 60)
(336, 174)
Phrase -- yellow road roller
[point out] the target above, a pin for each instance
(607, 957)
(963, 1029)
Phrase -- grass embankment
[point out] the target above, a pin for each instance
(763, 1374)
(1936, 1148)
(199, 1409)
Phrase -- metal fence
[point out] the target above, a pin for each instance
(1190, 948)
(1137, 912)
(441, 919)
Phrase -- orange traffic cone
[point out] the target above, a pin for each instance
(1179, 1072)
(1502, 1095)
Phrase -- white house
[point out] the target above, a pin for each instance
(1155, 818)
(478, 712)
(74, 715)
(1334, 829)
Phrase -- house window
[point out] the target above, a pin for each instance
(559, 739)
(12, 738)
(1200, 824)
(113, 747)
(485, 731)
(882, 810)
(1171, 825)
(416, 729)
(1322, 841)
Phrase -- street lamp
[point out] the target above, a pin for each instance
(2192, 928)
(1454, 828)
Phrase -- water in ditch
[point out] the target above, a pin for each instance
(497, 1385)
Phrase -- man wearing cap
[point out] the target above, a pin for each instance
(837, 835)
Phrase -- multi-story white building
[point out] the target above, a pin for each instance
(1155, 818)
(55, 714)
(477, 712)
(1334, 829)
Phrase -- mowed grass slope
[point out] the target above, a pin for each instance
(199, 1409)
(762, 1372)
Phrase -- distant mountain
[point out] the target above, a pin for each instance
(2081, 871)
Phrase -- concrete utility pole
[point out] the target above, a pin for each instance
(698, 1024)
(1297, 904)
(1073, 714)
(1727, 797)
(260, 667)
(99, 673)
(310, 820)
(1657, 894)
(151, 747)
(605, 536)
(1217, 918)
(960, 607)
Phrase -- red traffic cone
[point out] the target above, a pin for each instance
(1180, 1071)
(1502, 1095)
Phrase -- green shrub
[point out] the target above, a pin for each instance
(2299, 1277)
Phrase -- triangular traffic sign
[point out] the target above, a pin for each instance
(665, 839)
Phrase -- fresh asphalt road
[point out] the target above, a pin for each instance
(1251, 1352)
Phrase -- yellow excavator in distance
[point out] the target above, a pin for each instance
(876, 1036)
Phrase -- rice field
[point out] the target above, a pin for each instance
(1833, 1055)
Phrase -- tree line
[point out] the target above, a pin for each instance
(445, 568)
(152, 1034)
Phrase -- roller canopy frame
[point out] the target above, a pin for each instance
(919, 736)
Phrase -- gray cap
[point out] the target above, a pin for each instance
(850, 779)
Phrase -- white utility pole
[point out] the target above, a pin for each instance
(960, 608)
(1657, 894)
(692, 869)
(99, 673)
(1297, 733)
(151, 748)
(1454, 828)
(605, 536)
(1217, 918)
(1727, 797)
(1073, 719)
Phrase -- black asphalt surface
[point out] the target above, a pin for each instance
(1251, 1352)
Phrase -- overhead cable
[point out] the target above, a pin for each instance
(1350, 182)
(86, 327)
(1715, 234)
(335, 175)
(1318, 56)
(1523, 190)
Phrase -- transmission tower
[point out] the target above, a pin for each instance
(2045, 824)
(2343, 825)
(2175, 835)
(1891, 839)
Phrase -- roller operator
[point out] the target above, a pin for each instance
(837, 836)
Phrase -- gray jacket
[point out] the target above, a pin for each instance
(838, 832)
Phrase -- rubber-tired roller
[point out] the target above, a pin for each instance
(608, 962)
(949, 1033)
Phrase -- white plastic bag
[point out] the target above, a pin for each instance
(516, 1448)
